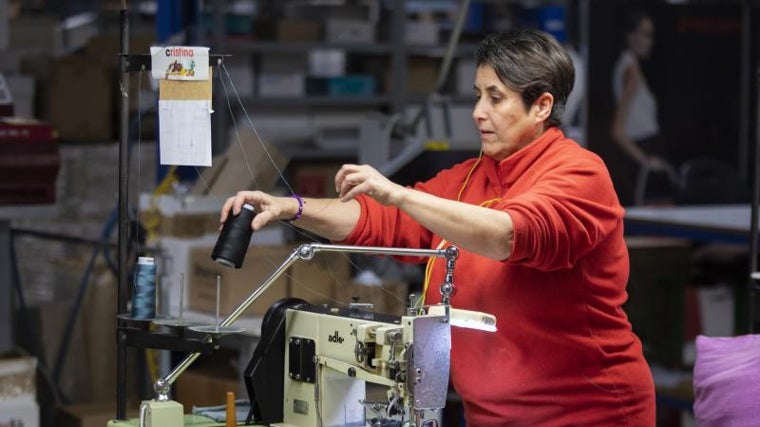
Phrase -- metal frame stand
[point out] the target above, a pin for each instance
(127, 333)
(121, 301)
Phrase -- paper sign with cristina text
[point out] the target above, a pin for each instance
(179, 62)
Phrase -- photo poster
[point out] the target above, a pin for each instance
(693, 72)
(184, 114)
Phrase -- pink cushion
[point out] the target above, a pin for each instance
(727, 381)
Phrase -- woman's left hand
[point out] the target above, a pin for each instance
(352, 180)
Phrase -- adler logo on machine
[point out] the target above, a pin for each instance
(335, 338)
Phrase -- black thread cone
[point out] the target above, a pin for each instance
(233, 241)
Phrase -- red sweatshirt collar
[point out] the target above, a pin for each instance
(507, 171)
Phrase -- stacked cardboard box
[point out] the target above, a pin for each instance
(91, 120)
(206, 387)
(18, 405)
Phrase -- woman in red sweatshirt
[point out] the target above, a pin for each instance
(540, 231)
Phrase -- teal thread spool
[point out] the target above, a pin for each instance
(144, 292)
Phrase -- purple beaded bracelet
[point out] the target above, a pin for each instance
(298, 214)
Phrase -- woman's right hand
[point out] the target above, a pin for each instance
(267, 207)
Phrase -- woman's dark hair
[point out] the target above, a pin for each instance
(633, 19)
(530, 62)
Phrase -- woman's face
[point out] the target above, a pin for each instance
(641, 39)
(504, 124)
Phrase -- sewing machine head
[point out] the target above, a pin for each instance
(330, 355)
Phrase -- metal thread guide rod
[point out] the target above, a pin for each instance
(181, 297)
(306, 252)
(218, 293)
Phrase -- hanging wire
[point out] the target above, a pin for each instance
(250, 122)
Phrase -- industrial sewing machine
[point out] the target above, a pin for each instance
(325, 356)
(312, 363)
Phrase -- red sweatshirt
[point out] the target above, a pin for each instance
(564, 353)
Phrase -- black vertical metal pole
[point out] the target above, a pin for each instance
(753, 243)
(121, 349)
(745, 91)
(219, 141)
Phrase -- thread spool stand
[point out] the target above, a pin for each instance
(129, 332)
(215, 329)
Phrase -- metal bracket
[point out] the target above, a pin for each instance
(130, 62)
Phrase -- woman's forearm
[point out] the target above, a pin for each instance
(329, 218)
(481, 230)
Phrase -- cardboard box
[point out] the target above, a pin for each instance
(99, 313)
(421, 75)
(206, 387)
(22, 90)
(40, 67)
(290, 84)
(349, 31)
(22, 412)
(299, 30)
(277, 63)
(465, 74)
(75, 79)
(315, 281)
(241, 74)
(246, 165)
(318, 280)
(4, 25)
(421, 32)
(660, 270)
(172, 215)
(236, 284)
(175, 261)
(39, 34)
(104, 49)
(6, 98)
(47, 323)
(96, 414)
(78, 28)
(188, 225)
(17, 377)
(327, 62)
